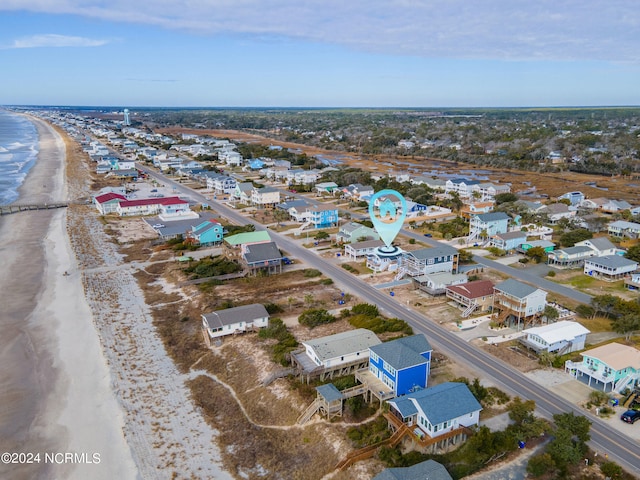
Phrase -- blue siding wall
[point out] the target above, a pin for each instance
(410, 377)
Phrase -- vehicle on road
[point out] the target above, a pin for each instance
(154, 190)
(630, 416)
(158, 225)
(427, 235)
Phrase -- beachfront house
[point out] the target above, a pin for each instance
(234, 320)
(476, 296)
(335, 355)
(559, 337)
(610, 367)
(403, 365)
(153, 206)
(108, 202)
(436, 411)
(609, 267)
(265, 257)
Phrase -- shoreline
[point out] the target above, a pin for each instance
(56, 389)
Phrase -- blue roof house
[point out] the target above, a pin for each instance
(402, 364)
(437, 410)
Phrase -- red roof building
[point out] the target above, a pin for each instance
(472, 296)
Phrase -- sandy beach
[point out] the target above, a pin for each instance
(87, 389)
(55, 393)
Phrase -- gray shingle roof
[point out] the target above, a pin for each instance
(492, 216)
(511, 235)
(446, 401)
(229, 316)
(403, 352)
(515, 288)
(262, 252)
(427, 470)
(601, 243)
(434, 252)
(611, 261)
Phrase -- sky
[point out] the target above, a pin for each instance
(312, 53)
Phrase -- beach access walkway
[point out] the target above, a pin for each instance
(9, 209)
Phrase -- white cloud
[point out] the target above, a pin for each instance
(483, 29)
(53, 40)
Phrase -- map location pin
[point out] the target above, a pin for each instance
(387, 210)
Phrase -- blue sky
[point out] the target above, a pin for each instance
(353, 53)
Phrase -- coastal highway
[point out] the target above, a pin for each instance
(604, 439)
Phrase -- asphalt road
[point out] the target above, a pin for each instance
(604, 439)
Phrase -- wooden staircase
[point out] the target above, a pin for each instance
(309, 412)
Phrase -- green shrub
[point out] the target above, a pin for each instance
(311, 273)
(272, 308)
(286, 342)
(551, 273)
(365, 309)
(313, 318)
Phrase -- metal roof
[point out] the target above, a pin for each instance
(248, 237)
(341, 344)
(329, 392)
(556, 332)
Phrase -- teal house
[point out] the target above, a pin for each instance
(610, 368)
(207, 233)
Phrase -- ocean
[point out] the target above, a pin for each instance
(18, 152)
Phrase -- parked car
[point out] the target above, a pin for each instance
(427, 235)
(158, 225)
(630, 416)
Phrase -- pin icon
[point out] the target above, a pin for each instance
(387, 210)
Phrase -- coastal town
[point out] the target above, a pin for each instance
(249, 303)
